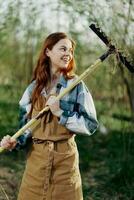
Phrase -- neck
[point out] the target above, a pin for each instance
(55, 73)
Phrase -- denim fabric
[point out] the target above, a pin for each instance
(79, 114)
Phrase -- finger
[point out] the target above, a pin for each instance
(4, 144)
(7, 137)
(51, 100)
(6, 140)
(8, 144)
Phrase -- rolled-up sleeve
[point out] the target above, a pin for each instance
(22, 140)
(24, 109)
(82, 119)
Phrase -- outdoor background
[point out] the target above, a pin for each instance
(107, 157)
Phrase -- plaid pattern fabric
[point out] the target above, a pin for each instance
(79, 114)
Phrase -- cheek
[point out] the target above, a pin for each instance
(55, 58)
(57, 55)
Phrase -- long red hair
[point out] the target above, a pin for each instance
(42, 72)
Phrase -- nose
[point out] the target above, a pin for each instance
(68, 53)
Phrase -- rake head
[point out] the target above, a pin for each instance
(123, 59)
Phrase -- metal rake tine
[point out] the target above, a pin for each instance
(128, 64)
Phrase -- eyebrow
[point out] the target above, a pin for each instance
(66, 47)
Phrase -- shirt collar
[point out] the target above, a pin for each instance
(62, 81)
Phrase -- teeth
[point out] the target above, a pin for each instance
(65, 59)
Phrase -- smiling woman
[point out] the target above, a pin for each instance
(60, 55)
(52, 167)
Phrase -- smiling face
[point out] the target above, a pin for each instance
(60, 55)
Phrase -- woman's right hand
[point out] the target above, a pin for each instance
(8, 143)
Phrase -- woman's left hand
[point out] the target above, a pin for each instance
(54, 105)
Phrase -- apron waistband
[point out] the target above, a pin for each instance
(39, 141)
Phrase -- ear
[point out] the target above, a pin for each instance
(47, 52)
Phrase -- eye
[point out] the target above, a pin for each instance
(63, 48)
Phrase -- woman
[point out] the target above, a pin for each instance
(52, 168)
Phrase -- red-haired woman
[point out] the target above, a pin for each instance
(52, 168)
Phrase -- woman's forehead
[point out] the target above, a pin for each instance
(64, 42)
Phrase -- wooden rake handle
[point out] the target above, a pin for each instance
(36, 120)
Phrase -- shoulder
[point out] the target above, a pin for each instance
(31, 87)
(72, 79)
(26, 97)
(80, 87)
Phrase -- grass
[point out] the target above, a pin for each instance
(107, 168)
(106, 161)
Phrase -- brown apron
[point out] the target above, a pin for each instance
(52, 168)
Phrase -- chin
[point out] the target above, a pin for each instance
(63, 69)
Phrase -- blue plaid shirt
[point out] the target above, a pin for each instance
(78, 116)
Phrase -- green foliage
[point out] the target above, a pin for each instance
(106, 160)
(105, 165)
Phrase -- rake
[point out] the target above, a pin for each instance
(111, 50)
